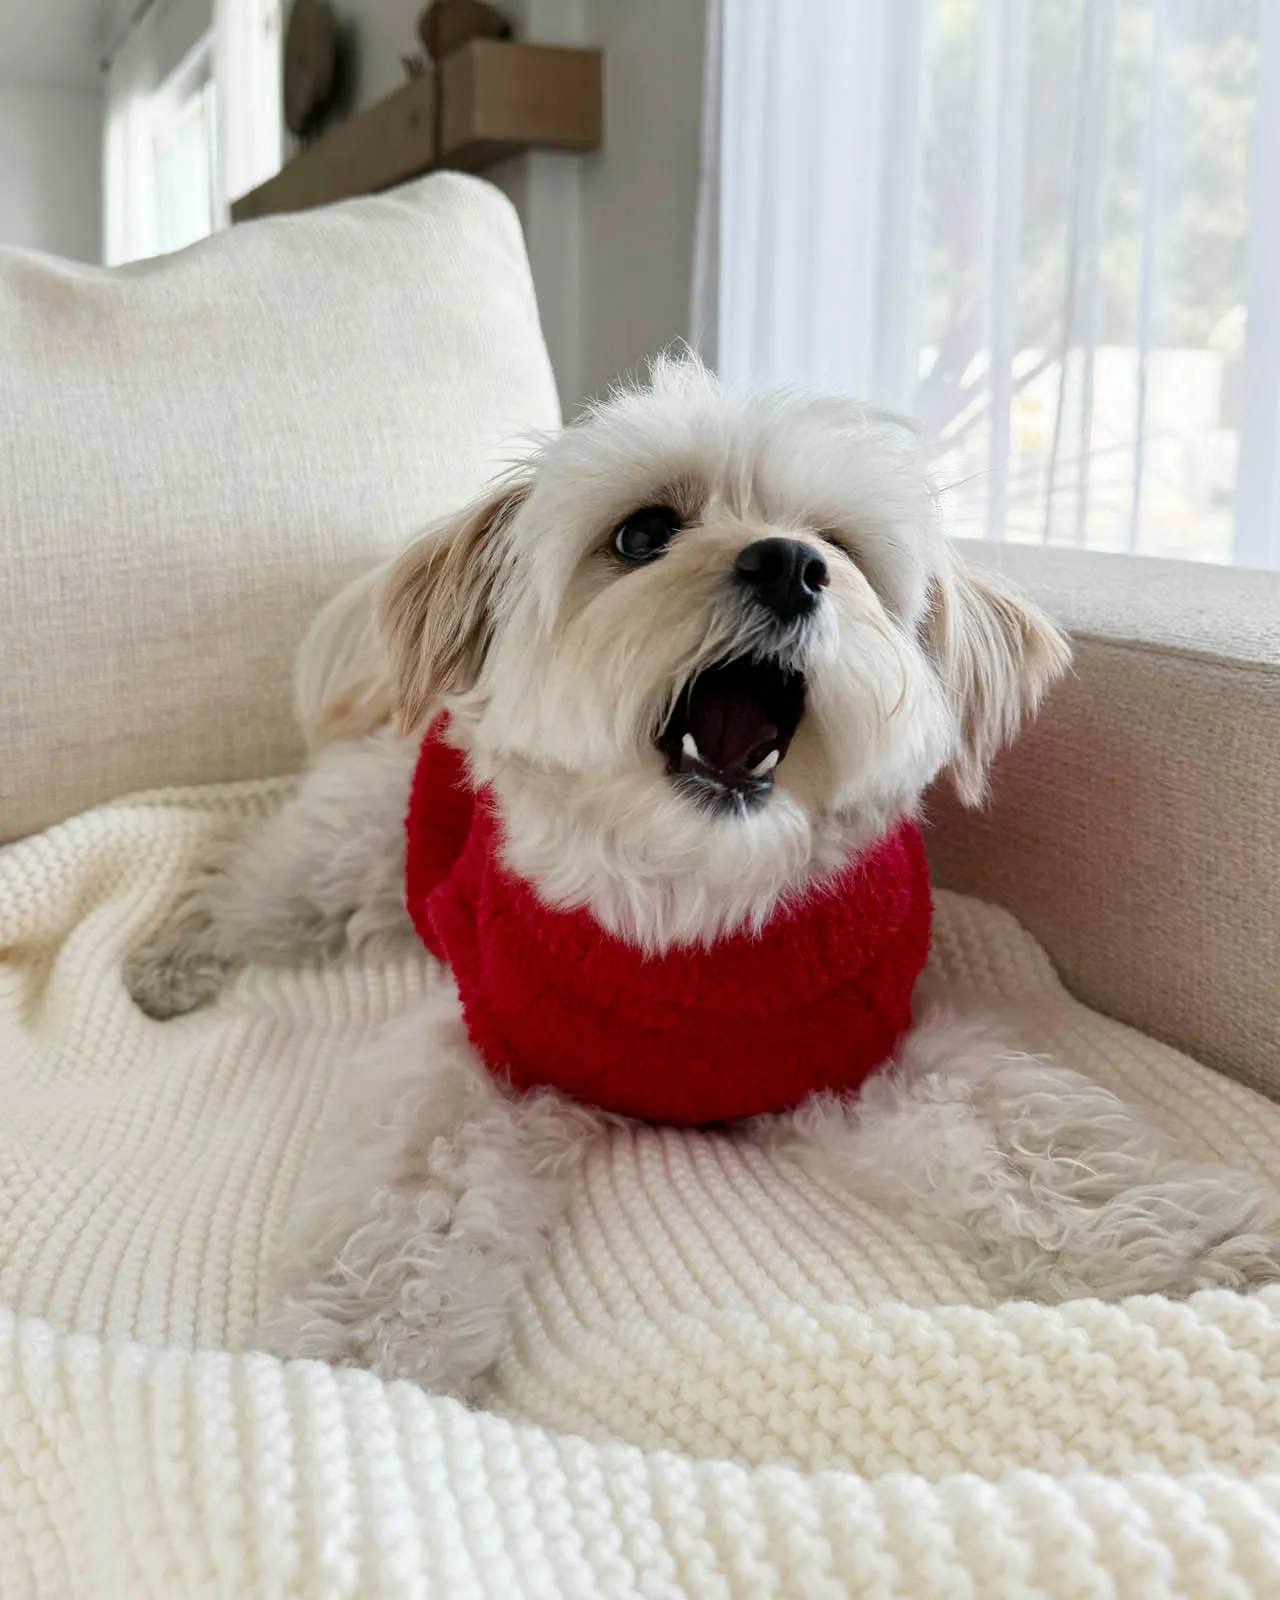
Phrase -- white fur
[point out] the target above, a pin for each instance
(433, 1189)
(1055, 1186)
(430, 1196)
(326, 873)
(341, 687)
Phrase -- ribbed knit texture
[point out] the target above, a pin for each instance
(728, 1380)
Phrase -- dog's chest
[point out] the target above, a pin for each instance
(753, 1023)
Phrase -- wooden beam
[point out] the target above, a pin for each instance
(388, 144)
(495, 99)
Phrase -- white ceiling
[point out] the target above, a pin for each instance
(50, 44)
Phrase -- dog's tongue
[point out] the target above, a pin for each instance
(733, 731)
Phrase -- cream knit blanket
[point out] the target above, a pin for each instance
(728, 1381)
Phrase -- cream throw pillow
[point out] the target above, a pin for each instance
(196, 451)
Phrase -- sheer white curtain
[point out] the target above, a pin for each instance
(1050, 229)
(193, 118)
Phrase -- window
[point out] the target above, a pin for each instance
(1044, 228)
(185, 152)
(193, 120)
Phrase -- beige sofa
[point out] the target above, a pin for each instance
(727, 1379)
(1136, 830)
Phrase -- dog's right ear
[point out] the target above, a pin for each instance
(435, 609)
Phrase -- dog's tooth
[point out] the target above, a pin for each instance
(766, 766)
(690, 747)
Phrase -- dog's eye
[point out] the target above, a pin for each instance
(646, 534)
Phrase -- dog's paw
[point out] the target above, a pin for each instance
(389, 1347)
(298, 1333)
(167, 982)
(1202, 1227)
(438, 1341)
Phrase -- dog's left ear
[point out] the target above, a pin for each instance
(996, 653)
(435, 608)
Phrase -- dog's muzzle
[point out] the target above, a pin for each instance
(730, 728)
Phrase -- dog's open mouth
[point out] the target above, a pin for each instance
(731, 727)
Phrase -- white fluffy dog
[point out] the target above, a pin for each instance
(560, 620)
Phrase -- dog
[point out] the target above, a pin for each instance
(786, 551)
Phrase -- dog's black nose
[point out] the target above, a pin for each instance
(786, 575)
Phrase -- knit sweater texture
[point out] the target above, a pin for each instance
(754, 1022)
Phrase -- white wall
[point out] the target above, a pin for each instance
(610, 235)
(385, 31)
(640, 192)
(50, 171)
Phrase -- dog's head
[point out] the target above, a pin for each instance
(704, 647)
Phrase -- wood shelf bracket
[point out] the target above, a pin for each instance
(487, 101)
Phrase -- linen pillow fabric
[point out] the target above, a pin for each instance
(196, 451)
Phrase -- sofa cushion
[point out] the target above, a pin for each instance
(195, 451)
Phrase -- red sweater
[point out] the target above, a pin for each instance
(753, 1023)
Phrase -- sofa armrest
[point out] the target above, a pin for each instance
(1135, 829)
